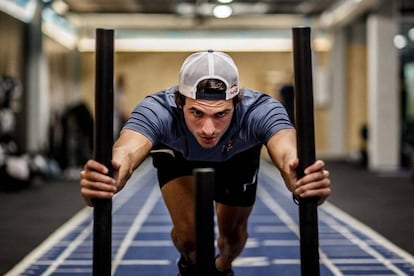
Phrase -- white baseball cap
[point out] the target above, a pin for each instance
(208, 65)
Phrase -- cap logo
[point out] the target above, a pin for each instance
(234, 89)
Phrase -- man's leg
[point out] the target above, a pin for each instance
(178, 196)
(232, 225)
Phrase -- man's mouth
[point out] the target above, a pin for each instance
(208, 139)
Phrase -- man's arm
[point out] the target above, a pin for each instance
(128, 153)
(283, 152)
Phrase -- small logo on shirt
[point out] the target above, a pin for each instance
(228, 146)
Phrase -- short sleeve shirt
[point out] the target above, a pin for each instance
(256, 118)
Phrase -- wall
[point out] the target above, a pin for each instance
(356, 84)
(11, 46)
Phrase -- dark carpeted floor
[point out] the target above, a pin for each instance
(29, 216)
(383, 202)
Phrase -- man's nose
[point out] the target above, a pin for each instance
(208, 126)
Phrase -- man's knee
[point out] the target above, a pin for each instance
(184, 238)
(237, 235)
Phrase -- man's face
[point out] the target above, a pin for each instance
(208, 120)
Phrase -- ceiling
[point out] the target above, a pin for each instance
(191, 18)
(173, 6)
(303, 7)
(171, 14)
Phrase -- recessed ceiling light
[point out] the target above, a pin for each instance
(400, 41)
(222, 11)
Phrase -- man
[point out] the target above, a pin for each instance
(207, 121)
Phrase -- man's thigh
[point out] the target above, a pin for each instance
(178, 195)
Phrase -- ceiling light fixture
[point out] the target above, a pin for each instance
(192, 44)
(222, 11)
(400, 41)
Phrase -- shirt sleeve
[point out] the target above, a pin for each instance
(150, 118)
(267, 117)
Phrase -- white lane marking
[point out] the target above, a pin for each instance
(136, 226)
(362, 228)
(345, 231)
(291, 224)
(251, 261)
(152, 243)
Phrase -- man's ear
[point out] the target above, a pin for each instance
(179, 100)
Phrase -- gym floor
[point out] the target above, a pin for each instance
(383, 202)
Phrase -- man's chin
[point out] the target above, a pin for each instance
(207, 145)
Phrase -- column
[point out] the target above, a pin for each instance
(383, 92)
(36, 106)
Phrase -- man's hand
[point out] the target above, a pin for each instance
(95, 183)
(315, 183)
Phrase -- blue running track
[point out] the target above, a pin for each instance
(142, 246)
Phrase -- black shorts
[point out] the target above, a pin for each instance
(235, 179)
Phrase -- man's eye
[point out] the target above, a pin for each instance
(221, 114)
(197, 113)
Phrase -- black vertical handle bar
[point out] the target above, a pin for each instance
(103, 141)
(204, 218)
(304, 113)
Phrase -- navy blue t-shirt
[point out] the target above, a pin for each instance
(256, 118)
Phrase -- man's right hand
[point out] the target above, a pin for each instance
(95, 183)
